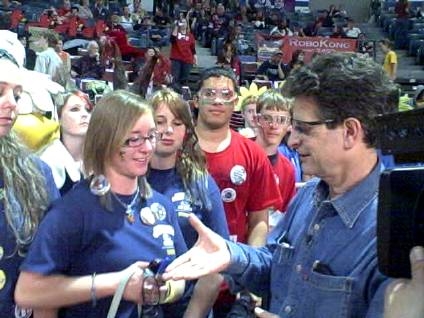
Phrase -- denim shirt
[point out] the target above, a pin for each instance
(321, 259)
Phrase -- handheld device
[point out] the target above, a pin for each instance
(158, 266)
(400, 222)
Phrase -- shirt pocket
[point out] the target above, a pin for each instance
(329, 293)
(284, 251)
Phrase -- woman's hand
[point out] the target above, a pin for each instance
(133, 289)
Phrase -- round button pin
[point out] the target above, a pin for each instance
(146, 216)
(238, 175)
(228, 195)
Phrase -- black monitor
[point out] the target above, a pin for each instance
(400, 220)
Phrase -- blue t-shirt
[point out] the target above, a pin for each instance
(169, 183)
(293, 156)
(10, 260)
(79, 237)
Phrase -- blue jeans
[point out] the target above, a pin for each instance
(180, 72)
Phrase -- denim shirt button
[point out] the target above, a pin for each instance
(298, 268)
(287, 309)
(316, 227)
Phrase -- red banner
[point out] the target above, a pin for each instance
(320, 45)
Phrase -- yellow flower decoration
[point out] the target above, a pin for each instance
(253, 90)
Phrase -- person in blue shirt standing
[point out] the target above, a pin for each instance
(321, 259)
(108, 226)
(26, 184)
(178, 170)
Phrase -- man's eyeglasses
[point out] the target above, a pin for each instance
(137, 141)
(212, 94)
(8, 56)
(269, 120)
(305, 127)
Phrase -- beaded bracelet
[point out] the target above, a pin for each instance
(93, 291)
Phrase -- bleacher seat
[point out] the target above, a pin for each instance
(127, 26)
(414, 45)
(32, 14)
(419, 59)
(247, 58)
(261, 83)
(248, 71)
(417, 26)
(115, 8)
(410, 38)
(136, 42)
(325, 31)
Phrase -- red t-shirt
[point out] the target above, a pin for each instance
(161, 70)
(183, 48)
(246, 180)
(285, 177)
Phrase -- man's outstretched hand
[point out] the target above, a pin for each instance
(209, 255)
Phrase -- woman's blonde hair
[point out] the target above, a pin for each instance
(24, 191)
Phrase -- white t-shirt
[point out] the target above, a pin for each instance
(352, 33)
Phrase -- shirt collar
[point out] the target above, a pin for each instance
(181, 36)
(350, 205)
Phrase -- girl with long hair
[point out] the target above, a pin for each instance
(178, 170)
(64, 155)
(26, 184)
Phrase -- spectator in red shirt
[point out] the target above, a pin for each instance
(119, 35)
(154, 74)
(272, 122)
(183, 53)
(65, 10)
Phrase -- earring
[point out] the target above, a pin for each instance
(99, 185)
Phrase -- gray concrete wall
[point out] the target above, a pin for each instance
(357, 9)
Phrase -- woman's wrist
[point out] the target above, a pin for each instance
(93, 290)
(105, 284)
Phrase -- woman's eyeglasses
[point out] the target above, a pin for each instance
(137, 141)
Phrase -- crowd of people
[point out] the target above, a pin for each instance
(141, 196)
(224, 27)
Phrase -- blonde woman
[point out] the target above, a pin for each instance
(26, 184)
(108, 226)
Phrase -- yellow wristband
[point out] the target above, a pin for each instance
(174, 291)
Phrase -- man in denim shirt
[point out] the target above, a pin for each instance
(321, 259)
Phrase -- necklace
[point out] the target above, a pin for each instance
(129, 211)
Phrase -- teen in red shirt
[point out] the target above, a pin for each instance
(183, 52)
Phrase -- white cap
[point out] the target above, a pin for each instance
(39, 86)
(9, 42)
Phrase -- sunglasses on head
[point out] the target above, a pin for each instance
(6, 55)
